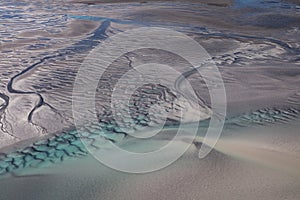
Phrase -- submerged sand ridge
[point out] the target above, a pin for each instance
(69, 145)
(261, 167)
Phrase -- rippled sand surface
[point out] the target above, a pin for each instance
(255, 44)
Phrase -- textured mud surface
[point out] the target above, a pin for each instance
(43, 48)
(255, 44)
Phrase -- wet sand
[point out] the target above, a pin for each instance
(256, 50)
(222, 3)
(293, 1)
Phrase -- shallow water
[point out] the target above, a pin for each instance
(255, 44)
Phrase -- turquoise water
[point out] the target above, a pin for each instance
(69, 145)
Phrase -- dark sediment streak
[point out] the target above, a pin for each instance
(5, 103)
(80, 47)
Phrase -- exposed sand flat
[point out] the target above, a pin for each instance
(257, 51)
